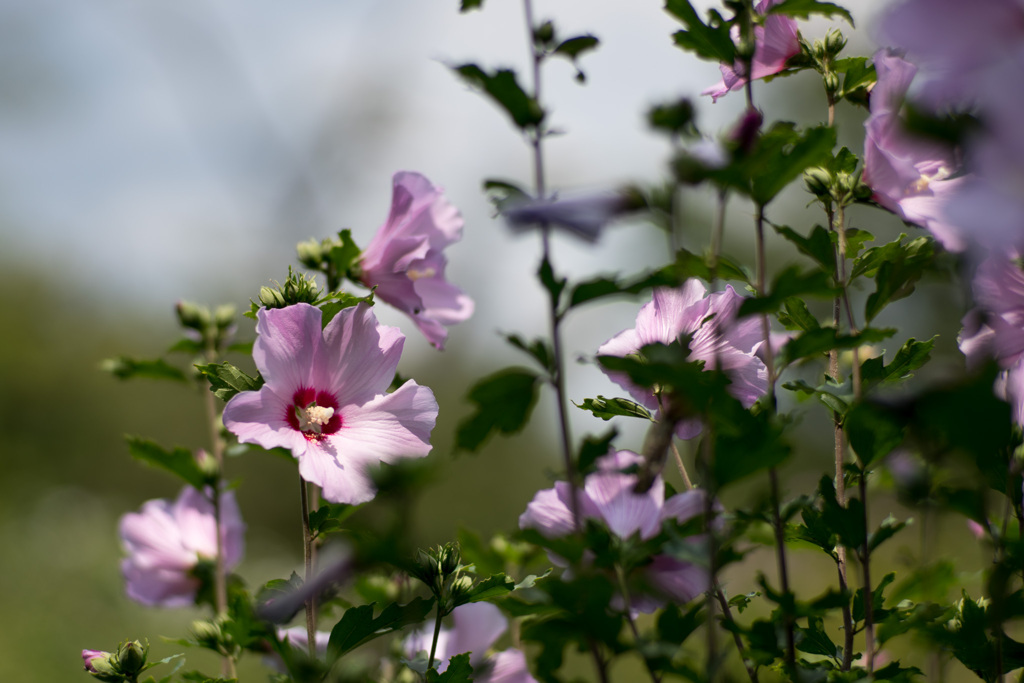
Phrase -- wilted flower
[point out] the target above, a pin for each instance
(717, 338)
(909, 175)
(608, 496)
(476, 626)
(167, 540)
(325, 398)
(404, 259)
(774, 43)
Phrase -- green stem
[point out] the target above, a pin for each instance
(869, 617)
(437, 632)
(727, 614)
(307, 556)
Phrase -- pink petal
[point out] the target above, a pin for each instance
(477, 626)
(508, 666)
(287, 342)
(625, 512)
(258, 417)
(359, 356)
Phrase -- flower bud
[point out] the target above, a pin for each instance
(311, 253)
(831, 83)
(97, 661)
(451, 558)
(224, 316)
(272, 298)
(193, 316)
(818, 181)
(544, 34)
(207, 464)
(206, 633)
(834, 42)
(131, 658)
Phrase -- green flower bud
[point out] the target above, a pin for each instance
(818, 181)
(311, 253)
(206, 633)
(131, 658)
(451, 558)
(831, 82)
(544, 34)
(224, 316)
(834, 42)
(193, 316)
(272, 298)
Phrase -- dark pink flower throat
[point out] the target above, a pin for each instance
(314, 413)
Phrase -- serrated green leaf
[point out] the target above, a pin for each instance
(329, 517)
(781, 156)
(503, 401)
(179, 461)
(818, 245)
(124, 367)
(858, 77)
(226, 380)
(911, 356)
(813, 343)
(458, 671)
(358, 625)
(803, 9)
(492, 587)
(572, 48)
(791, 282)
(706, 41)
(538, 349)
(795, 316)
(592, 448)
(334, 303)
(889, 527)
(343, 255)
(814, 641)
(607, 408)
(503, 88)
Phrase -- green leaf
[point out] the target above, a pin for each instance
(490, 588)
(711, 42)
(468, 5)
(358, 625)
(818, 245)
(911, 356)
(538, 349)
(889, 527)
(179, 462)
(803, 9)
(504, 89)
(226, 380)
(814, 641)
(895, 277)
(503, 401)
(592, 448)
(795, 316)
(607, 408)
(845, 522)
(877, 599)
(343, 255)
(781, 156)
(874, 431)
(605, 286)
(572, 48)
(458, 671)
(329, 517)
(832, 401)
(503, 193)
(124, 367)
(858, 77)
(791, 282)
(813, 343)
(554, 285)
(335, 302)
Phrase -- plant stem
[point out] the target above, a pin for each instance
(220, 581)
(558, 374)
(624, 589)
(687, 482)
(599, 663)
(307, 556)
(869, 603)
(437, 632)
(727, 614)
(840, 442)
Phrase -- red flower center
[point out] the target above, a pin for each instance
(314, 413)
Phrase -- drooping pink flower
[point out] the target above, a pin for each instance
(608, 496)
(404, 259)
(476, 627)
(325, 398)
(718, 337)
(995, 328)
(90, 656)
(774, 43)
(165, 541)
(909, 175)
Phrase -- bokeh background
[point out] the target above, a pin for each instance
(178, 149)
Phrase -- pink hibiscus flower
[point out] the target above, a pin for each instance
(686, 310)
(608, 496)
(404, 259)
(165, 542)
(907, 174)
(325, 398)
(774, 43)
(476, 627)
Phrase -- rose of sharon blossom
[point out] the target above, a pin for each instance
(774, 43)
(907, 174)
(720, 339)
(477, 626)
(165, 541)
(608, 496)
(995, 329)
(325, 398)
(404, 259)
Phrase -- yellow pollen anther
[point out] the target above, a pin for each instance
(314, 417)
(417, 274)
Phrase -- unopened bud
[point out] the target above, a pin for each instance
(131, 658)
(451, 558)
(224, 316)
(545, 33)
(206, 632)
(831, 82)
(97, 662)
(192, 316)
(272, 298)
(818, 181)
(207, 464)
(834, 42)
(311, 253)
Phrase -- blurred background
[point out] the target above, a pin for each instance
(178, 149)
